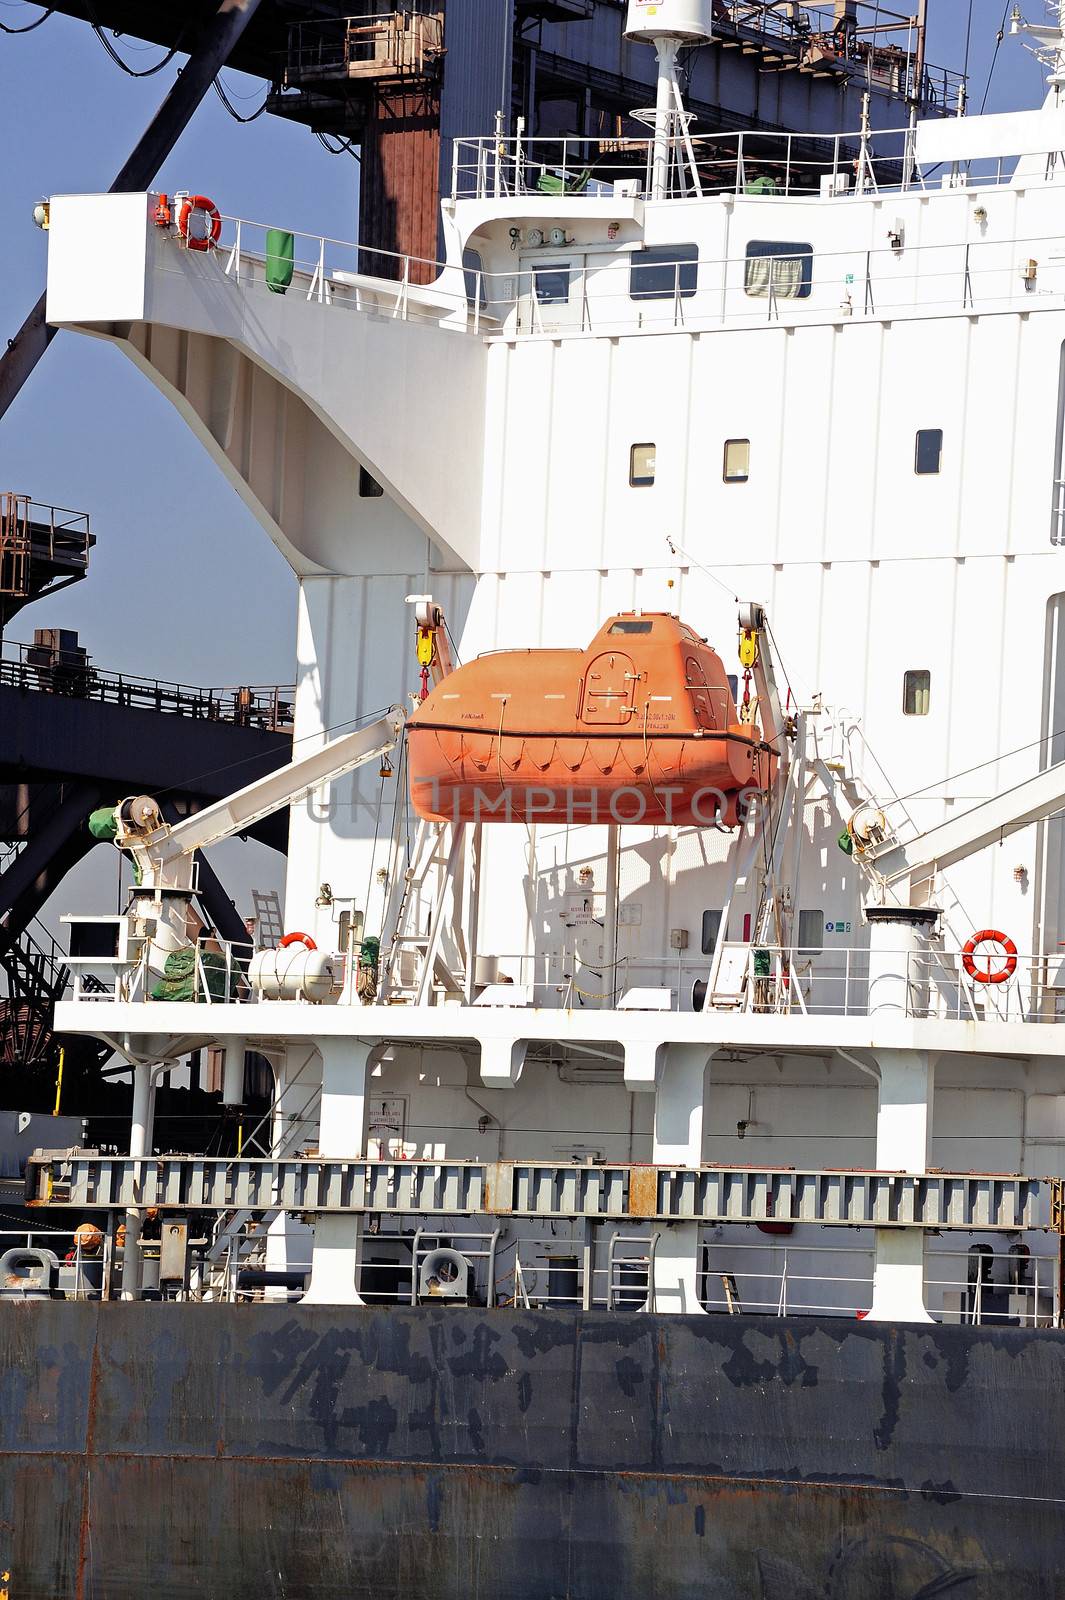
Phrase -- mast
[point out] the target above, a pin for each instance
(667, 24)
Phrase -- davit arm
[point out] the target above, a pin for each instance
(164, 854)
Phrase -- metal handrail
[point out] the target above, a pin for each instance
(269, 707)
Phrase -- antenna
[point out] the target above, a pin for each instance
(668, 24)
(1049, 40)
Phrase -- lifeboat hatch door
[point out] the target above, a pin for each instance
(609, 689)
(699, 692)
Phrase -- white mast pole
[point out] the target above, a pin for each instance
(667, 60)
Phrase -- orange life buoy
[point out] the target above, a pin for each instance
(984, 974)
(198, 241)
(297, 938)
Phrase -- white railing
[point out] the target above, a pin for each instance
(773, 1277)
(210, 972)
(835, 981)
(564, 292)
(316, 267)
(750, 162)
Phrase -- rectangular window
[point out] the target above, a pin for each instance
(811, 933)
(664, 271)
(711, 929)
(551, 282)
(642, 465)
(929, 450)
(737, 463)
(916, 692)
(787, 267)
(631, 625)
(369, 488)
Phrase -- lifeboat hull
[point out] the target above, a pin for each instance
(639, 728)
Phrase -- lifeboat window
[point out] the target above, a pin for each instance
(551, 282)
(369, 488)
(811, 932)
(916, 693)
(928, 453)
(665, 272)
(785, 267)
(642, 463)
(737, 463)
(631, 625)
(711, 929)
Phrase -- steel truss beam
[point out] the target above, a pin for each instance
(544, 1189)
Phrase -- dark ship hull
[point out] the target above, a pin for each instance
(449, 1454)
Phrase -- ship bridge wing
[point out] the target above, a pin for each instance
(296, 378)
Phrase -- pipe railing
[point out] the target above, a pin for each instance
(39, 668)
(563, 291)
(833, 981)
(753, 162)
(775, 1277)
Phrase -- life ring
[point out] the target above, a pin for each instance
(297, 938)
(1008, 953)
(195, 241)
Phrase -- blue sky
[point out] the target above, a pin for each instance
(184, 584)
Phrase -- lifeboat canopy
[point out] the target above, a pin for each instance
(641, 727)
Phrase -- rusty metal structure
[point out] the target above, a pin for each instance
(181, 1450)
(43, 549)
(401, 79)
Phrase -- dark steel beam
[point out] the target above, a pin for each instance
(209, 52)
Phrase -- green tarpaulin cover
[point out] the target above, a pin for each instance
(280, 254)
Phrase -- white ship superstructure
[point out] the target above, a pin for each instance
(820, 376)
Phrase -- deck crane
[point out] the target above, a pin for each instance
(164, 854)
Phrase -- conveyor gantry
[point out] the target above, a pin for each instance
(851, 1198)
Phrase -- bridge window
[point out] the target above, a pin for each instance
(928, 453)
(664, 272)
(369, 488)
(642, 461)
(776, 264)
(737, 463)
(916, 693)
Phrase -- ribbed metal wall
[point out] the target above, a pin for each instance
(477, 36)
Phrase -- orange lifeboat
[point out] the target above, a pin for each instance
(639, 728)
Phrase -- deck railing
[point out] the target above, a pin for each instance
(930, 984)
(37, 668)
(750, 162)
(562, 291)
(613, 1271)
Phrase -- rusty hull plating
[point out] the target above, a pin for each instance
(457, 1454)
